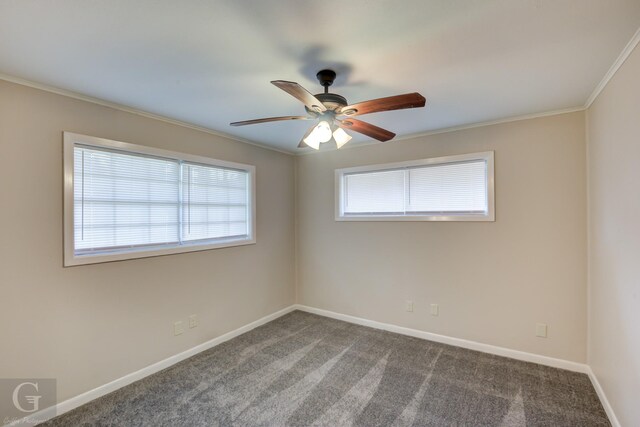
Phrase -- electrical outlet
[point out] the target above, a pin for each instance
(408, 306)
(434, 309)
(193, 321)
(178, 328)
(541, 330)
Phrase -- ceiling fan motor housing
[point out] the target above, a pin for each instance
(331, 101)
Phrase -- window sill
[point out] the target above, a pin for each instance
(417, 218)
(72, 259)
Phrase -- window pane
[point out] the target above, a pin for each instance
(453, 188)
(374, 192)
(215, 202)
(448, 188)
(123, 200)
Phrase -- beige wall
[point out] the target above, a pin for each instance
(493, 280)
(89, 325)
(614, 240)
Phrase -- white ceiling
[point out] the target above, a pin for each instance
(209, 63)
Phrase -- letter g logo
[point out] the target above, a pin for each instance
(33, 400)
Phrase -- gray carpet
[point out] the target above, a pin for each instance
(304, 370)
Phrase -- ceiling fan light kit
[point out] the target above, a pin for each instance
(334, 113)
(320, 133)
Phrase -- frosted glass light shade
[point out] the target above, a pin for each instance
(321, 133)
(341, 137)
(312, 142)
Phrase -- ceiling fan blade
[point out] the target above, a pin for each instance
(365, 128)
(297, 91)
(398, 102)
(307, 133)
(270, 119)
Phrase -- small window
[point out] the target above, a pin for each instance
(126, 201)
(453, 188)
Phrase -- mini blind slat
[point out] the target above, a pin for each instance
(438, 189)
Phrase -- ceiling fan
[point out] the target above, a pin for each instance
(334, 114)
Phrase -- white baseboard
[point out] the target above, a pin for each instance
(603, 399)
(473, 345)
(81, 399)
(74, 402)
(458, 342)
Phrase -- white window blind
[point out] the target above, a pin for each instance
(447, 188)
(455, 187)
(131, 201)
(375, 192)
(124, 200)
(215, 202)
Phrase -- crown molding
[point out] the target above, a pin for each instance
(454, 129)
(626, 52)
(138, 112)
(628, 49)
(614, 68)
(492, 122)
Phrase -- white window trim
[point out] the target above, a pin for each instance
(489, 216)
(71, 259)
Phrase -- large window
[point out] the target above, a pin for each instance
(453, 188)
(127, 201)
